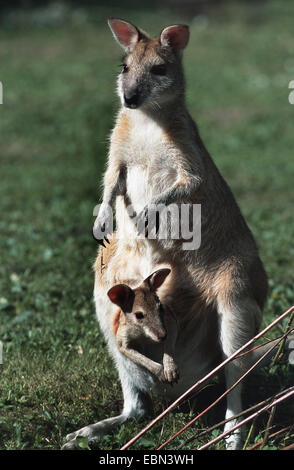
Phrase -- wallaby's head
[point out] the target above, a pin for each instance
(141, 306)
(152, 72)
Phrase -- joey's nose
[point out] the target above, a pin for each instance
(162, 336)
(131, 98)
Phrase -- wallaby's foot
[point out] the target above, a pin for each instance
(94, 431)
(90, 432)
(235, 440)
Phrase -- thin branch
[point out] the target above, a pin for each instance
(204, 379)
(287, 329)
(220, 397)
(246, 420)
(221, 423)
(268, 426)
(272, 436)
(289, 447)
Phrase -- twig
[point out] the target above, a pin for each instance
(204, 379)
(287, 329)
(220, 397)
(246, 420)
(275, 434)
(289, 447)
(221, 423)
(268, 426)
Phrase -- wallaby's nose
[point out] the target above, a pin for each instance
(131, 98)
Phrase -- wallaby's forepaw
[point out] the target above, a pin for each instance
(103, 226)
(148, 220)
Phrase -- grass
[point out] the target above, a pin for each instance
(59, 107)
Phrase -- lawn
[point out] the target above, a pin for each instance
(58, 108)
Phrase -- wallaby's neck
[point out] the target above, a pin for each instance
(162, 115)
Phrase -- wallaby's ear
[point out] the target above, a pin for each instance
(157, 278)
(126, 34)
(176, 37)
(121, 295)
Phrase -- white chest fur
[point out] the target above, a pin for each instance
(149, 162)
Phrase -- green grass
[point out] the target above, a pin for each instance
(59, 107)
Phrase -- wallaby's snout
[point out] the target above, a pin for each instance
(131, 97)
(161, 335)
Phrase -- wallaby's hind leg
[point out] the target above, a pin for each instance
(136, 404)
(238, 322)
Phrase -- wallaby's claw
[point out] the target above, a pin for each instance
(100, 242)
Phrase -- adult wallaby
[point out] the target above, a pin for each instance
(141, 321)
(157, 158)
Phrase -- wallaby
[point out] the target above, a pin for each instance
(158, 158)
(141, 321)
(197, 349)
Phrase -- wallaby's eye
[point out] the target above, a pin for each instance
(139, 315)
(125, 68)
(158, 69)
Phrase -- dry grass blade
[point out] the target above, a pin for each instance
(249, 434)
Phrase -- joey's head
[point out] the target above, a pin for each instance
(141, 306)
(152, 72)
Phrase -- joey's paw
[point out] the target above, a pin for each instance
(168, 373)
(160, 374)
(171, 372)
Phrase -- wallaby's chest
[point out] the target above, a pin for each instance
(145, 142)
(148, 158)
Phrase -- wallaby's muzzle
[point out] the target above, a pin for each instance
(131, 98)
(158, 335)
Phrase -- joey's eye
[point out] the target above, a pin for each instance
(139, 315)
(125, 68)
(158, 69)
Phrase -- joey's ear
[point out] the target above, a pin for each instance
(176, 37)
(157, 278)
(126, 34)
(121, 295)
